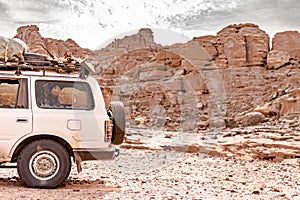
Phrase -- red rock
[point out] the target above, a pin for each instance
(194, 149)
(288, 41)
(269, 110)
(143, 39)
(209, 43)
(290, 106)
(235, 51)
(253, 118)
(237, 46)
(168, 58)
(249, 40)
(277, 59)
(32, 37)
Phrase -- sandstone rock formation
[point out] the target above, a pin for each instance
(151, 82)
(277, 59)
(237, 46)
(224, 77)
(32, 37)
(288, 41)
(102, 58)
(144, 38)
(290, 104)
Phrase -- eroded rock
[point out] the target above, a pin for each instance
(253, 118)
(35, 41)
(237, 46)
(288, 41)
(277, 59)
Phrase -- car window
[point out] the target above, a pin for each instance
(13, 93)
(64, 95)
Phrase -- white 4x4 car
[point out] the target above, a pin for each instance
(49, 118)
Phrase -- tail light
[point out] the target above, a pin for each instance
(108, 130)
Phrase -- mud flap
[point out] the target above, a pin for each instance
(78, 161)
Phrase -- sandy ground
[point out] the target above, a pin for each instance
(145, 174)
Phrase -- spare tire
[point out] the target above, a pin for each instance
(117, 112)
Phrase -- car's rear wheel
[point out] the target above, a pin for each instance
(44, 164)
(118, 116)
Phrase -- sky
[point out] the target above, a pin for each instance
(93, 23)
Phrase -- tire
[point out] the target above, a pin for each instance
(44, 164)
(118, 117)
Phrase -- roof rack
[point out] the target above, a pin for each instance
(40, 62)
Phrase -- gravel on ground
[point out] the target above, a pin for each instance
(162, 174)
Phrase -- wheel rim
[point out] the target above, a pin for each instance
(44, 165)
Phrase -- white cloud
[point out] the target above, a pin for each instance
(91, 22)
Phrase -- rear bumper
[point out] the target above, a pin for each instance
(97, 154)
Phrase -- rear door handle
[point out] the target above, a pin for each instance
(24, 120)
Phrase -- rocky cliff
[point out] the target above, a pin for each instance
(228, 80)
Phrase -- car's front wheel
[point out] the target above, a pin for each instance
(44, 164)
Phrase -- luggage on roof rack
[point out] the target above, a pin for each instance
(40, 62)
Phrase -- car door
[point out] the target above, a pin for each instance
(15, 112)
(67, 108)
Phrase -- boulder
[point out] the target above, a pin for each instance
(253, 118)
(269, 109)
